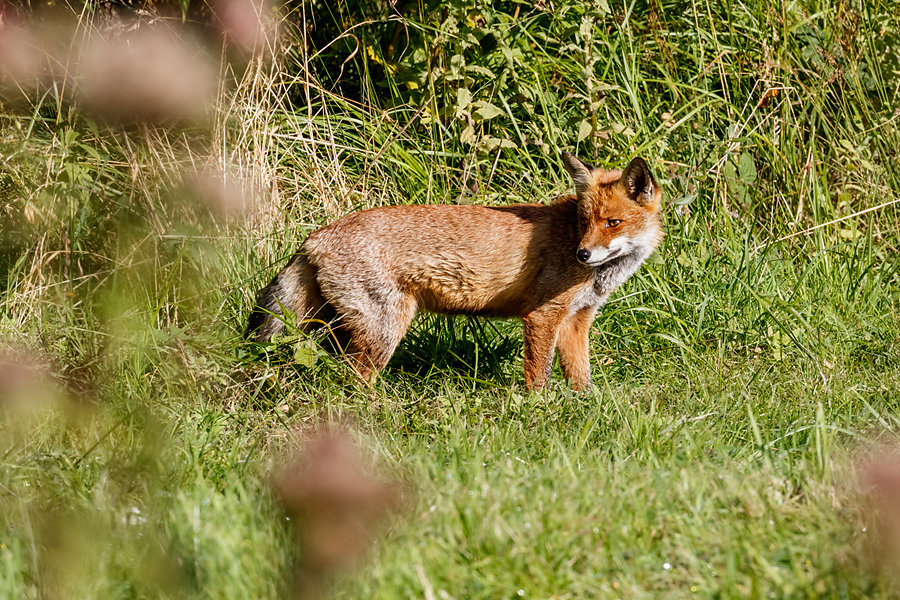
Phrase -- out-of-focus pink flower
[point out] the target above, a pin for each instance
(23, 60)
(148, 73)
(26, 384)
(880, 479)
(222, 191)
(245, 23)
(337, 506)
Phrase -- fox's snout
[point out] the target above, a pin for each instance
(595, 257)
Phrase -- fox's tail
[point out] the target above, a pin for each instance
(294, 288)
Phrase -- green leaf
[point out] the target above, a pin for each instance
(479, 70)
(747, 168)
(622, 129)
(305, 352)
(850, 234)
(729, 171)
(70, 136)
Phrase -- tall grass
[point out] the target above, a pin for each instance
(739, 376)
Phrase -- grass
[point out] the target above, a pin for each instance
(740, 378)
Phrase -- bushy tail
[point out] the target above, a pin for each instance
(295, 288)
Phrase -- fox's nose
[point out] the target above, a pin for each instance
(583, 255)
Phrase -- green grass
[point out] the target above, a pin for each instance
(739, 377)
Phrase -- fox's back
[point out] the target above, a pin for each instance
(473, 259)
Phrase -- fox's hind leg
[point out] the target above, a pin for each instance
(374, 323)
(294, 288)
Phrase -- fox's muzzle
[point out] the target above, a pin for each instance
(597, 256)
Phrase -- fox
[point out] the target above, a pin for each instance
(551, 265)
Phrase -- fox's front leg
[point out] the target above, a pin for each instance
(573, 344)
(541, 330)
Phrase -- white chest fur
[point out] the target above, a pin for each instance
(587, 297)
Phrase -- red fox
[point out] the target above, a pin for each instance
(552, 265)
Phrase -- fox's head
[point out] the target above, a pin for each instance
(618, 211)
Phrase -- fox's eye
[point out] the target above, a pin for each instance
(583, 221)
(613, 222)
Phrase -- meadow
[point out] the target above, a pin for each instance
(741, 437)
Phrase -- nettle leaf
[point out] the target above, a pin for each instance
(584, 129)
(728, 170)
(466, 40)
(457, 67)
(479, 70)
(69, 136)
(747, 168)
(526, 91)
(486, 111)
(568, 32)
(511, 54)
(468, 135)
(489, 143)
(622, 129)
(463, 98)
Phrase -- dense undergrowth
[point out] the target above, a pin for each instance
(742, 377)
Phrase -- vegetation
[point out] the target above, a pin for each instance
(747, 379)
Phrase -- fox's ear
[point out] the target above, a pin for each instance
(580, 172)
(638, 181)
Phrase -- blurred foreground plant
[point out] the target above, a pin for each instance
(337, 505)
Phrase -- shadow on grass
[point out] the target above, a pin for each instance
(473, 348)
(436, 345)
